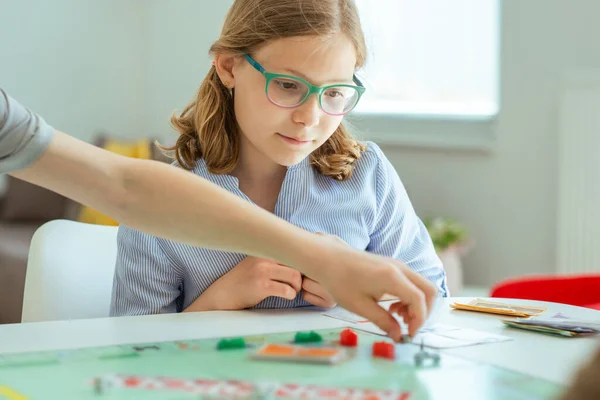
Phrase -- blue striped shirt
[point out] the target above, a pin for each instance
(370, 211)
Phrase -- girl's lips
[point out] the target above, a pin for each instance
(293, 141)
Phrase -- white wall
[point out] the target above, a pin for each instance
(126, 65)
(79, 63)
(116, 66)
(508, 198)
(177, 60)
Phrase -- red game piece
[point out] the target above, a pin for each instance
(384, 350)
(132, 382)
(348, 338)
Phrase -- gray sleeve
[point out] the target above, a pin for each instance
(24, 135)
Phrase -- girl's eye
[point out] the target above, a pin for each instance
(287, 85)
(334, 93)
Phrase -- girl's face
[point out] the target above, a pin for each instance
(288, 135)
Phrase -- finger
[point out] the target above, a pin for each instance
(427, 288)
(414, 316)
(400, 309)
(318, 301)
(278, 289)
(413, 297)
(370, 309)
(314, 287)
(285, 274)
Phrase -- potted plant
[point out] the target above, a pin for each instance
(451, 242)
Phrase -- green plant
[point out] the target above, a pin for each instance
(446, 233)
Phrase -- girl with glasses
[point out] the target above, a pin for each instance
(267, 125)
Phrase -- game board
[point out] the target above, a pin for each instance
(227, 369)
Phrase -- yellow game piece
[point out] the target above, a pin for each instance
(11, 394)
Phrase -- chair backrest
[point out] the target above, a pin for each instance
(578, 290)
(69, 271)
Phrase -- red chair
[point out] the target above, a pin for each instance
(577, 290)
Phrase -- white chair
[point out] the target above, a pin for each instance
(69, 272)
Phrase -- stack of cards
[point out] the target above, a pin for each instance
(555, 326)
(493, 307)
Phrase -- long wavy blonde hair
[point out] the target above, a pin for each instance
(207, 127)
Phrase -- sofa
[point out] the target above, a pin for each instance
(23, 209)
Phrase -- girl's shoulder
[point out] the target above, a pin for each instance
(371, 160)
(373, 151)
(199, 167)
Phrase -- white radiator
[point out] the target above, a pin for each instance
(578, 239)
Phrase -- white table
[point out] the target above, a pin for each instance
(544, 356)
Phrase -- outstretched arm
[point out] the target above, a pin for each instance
(174, 204)
(162, 200)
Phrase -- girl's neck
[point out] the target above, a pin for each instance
(255, 168)
(258, 171)
(259, 177)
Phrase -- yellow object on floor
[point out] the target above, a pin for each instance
(137, 149)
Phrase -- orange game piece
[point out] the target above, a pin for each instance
(348, 338)
(278, 350)
(317, 352)
(317, 355)
(384, 350)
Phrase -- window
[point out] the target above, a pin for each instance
(431, 57)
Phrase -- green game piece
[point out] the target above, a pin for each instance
(229, 344)
(117, 356)
(308, 337)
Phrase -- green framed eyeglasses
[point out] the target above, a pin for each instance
(290, 91)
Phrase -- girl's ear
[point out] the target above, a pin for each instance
(224, 64)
